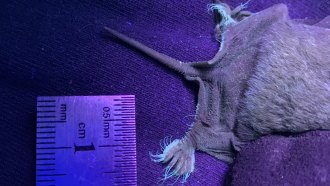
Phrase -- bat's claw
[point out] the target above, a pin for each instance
(180, 157)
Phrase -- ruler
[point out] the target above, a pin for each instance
(86, 140)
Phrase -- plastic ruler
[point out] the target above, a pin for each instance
(86, 140)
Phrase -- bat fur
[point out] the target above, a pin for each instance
(270, 75)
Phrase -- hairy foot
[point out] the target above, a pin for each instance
(180, 156)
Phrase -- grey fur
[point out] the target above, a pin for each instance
(290, 89)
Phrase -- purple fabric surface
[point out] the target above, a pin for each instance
(58, 48)
(277, 160)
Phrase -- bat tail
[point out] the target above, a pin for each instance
(183, 68)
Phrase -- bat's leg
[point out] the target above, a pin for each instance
(184, 68)
(201, 102)
(180, 156)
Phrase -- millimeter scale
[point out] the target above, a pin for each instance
(86, 140)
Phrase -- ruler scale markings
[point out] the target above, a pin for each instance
(127, 96)
(38, 121)
(122, 129)
(124, 104)
(128, 132)
(46, 116)
(123, 114)
(112, 172)
(125, 129)
(124, 183)
(123, 110)
(46, 180)
(125, 177)
(129, 165)
(127, 151)
(128, 127)
(128, 124)
(45, 164)
(46, 111)
(124, 167)
(46, 132)
(119, 145)
(65, 125)
(46, 153)
(124, 123)
(128, 112)
(51, 174)
(128, 146)
(42, 101)
(48, 137)
(127, 143)
(129, 137)
(126, 173)
(129, 170)
(54, 148)
(48, 142)
(46, 127)
(133, 117)
(124, 161)
(128, 156)
(120, 135)
(124, 140)
(129, 99)
(45, 158)
(122, 119)
(46, 106)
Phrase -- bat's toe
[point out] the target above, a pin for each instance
(180, 157)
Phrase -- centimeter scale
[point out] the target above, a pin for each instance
(86, 140)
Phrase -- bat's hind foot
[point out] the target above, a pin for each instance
(180, 156)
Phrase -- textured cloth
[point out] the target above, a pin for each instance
(53, 48)
(277, 160)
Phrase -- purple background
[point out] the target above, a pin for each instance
(52, 48)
